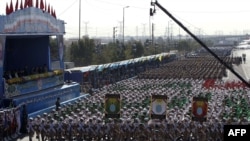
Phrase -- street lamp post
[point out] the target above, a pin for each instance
(123, 23)
(80, 5)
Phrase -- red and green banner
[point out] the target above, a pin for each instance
(199, 108)
(112, 106)
(158, 107)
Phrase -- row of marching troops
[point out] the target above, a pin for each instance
(197, 68)
(85, 119)
(83, 128)
(13, 122)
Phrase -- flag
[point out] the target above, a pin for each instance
(45, 6)
(199, 108)
(11, 7)
(112, 106)
(26, 3)
(16, 7)
(36, 3)
(52, 12)
(21, 4)
(7, 9)
(55, 13)
(41, 4)
(158, 106)
(48, 8)
(13, 122)
(30, 3)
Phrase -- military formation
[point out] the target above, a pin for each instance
(197, 68)
(85, 119)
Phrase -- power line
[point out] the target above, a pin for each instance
(118, 4)
(68, 8)
(198, 40)
(213, 12)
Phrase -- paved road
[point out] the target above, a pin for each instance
(21, 138)
(243, 69)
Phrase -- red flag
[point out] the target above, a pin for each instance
(52, 12)
(11, 7)
(16, 7)
(30, 3)
(7, 9)
(21, 4)
(48, 8)
(55, 13)
(45, 6)
(13, 123)
(41, 4)
(26, 3)
(36, 3)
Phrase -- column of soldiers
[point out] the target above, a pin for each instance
(85, 120)
(80, 129)
(197, 68)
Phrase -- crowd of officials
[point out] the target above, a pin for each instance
(16, 73)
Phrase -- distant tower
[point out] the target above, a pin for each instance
(144, 30)
(136, 32)
(166, 33)
(86, 28)
(114, 34)
(120, 29)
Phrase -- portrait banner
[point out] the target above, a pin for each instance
(158, 108)
(199, 109)
(112, 106)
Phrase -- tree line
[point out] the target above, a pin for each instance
(87, 51)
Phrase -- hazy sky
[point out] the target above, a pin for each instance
(200, 16)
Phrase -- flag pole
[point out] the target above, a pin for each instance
(79, 23)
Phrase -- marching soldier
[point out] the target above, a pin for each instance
(51, 129)
(18, 120)
(59, 129)
(116, 131)
(13, 124)
(2, 125)
(30, 128)
(69, 129)
(80, 130)
(42, 129)
(7, 125)
(36, 125)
